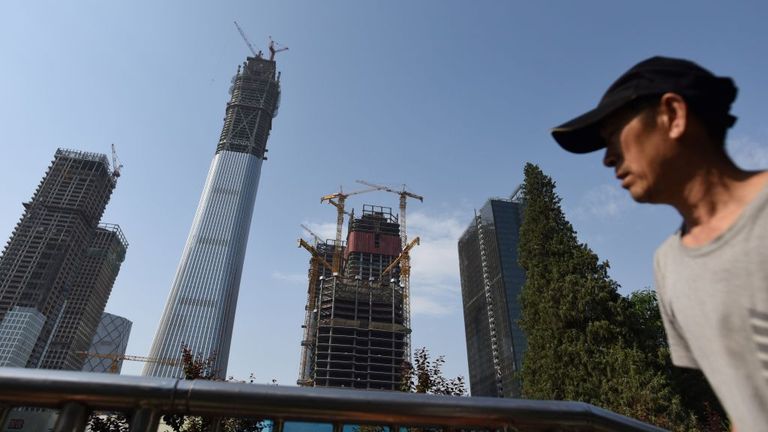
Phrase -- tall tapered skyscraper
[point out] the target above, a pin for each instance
(200, 311)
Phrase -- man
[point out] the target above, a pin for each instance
(663, 125)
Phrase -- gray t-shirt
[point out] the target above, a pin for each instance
(714, 303)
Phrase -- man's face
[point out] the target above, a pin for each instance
(640, 153)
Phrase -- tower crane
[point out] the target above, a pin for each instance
(116, 165)
(247, 42)
(338, 200)
(309, 319)
(275, 48)
(317, 238)
(405, 261)
(116, 358)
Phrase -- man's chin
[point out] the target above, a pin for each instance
(637, 194)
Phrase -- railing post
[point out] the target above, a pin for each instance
(145, 420)
(277, 425)
(72, 418)
(5, 410)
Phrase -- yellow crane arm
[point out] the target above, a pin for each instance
(315, 253)
(402, 255)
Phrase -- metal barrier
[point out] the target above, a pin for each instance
(145, 399)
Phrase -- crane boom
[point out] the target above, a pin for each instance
(338, 200)
(312, 233)
(245, 38)
(116, 358)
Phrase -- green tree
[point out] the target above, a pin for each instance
(199, 367)
(425, 375)
(578, 327)
(694, 389)
(107, 422)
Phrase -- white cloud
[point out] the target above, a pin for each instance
(748, 153)
(606, 201)
(426, 306)
(435, 283)
(290, 277)
(324, 230)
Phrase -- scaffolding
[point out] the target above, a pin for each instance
(355, 327)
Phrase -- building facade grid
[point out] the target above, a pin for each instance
(494, 365)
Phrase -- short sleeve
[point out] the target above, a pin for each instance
(678, 346)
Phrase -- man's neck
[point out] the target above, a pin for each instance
(713, 197)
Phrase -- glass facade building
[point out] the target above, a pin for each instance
(200, 310)
(491, 282)
(19, 331)
(111, 339)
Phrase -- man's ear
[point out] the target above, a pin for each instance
(673, 114)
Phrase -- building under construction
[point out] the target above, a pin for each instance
(46, 259)
(355, 332)
(87, 299)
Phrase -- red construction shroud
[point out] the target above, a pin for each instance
(358, 241)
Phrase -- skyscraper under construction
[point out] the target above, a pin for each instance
(200, 310)
(47, 263)
(355, 332)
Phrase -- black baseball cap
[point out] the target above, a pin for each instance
(708, 96)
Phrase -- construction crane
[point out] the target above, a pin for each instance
(247, 42)
(403, 255)
(317, 238)
(116, 165)
(404, 195)
(338, 200)
(116, 358)
(275, 48)
(309, 319)
(405, 261)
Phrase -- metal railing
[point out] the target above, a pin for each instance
(144, 400)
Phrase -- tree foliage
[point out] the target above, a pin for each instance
(585, 341)
(106, 422)
(196, 366)
(425, 375)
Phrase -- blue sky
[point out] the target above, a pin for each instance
(451, 98)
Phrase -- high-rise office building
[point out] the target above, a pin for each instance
(109, 342)
(41, 261)
(200, 309)
(86, 300)
(355, 332)
(491, 282)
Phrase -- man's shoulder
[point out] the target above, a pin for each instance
(667, 247)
